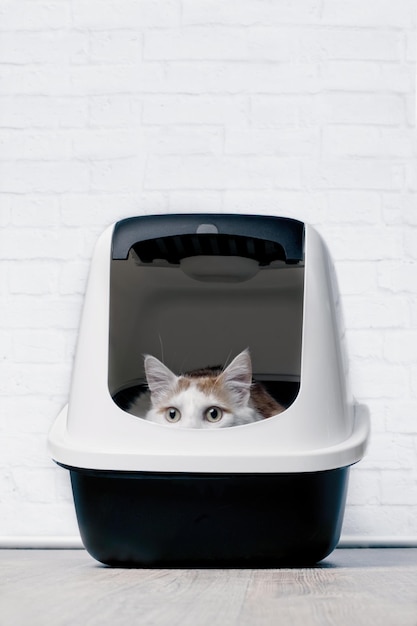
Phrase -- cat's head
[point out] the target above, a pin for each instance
(210, 400)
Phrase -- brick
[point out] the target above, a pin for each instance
(35, 80)
(39, 346)
(54, 516)
(400, 346)
(190, 78)
(413, 376)
(118, 175)
(410, 109)
(39, 243)
(240, 78)
(15, 449)
(34, 15)
(411, 176)
(30, 414)
(390, 451)
(361, 520)
(410, 242)
(365, 344)
(33, 145)
(392, 203)
(196, 43)
(107, 14)
(363, 141)
(27, 47)
(99, 144)
(115, 47)
(99, 210)
(114, 111)
(372, 408)
(356, 278)
(283, 111)
(7, 485)
(400, 416)
(87, 239)
(355, 520)
(413, 309)
(33, 277)
(359, 174)
(356, 109)
(229, 172)
(33, 484)
(187, 201)
(24, 450)
(375, 78)
(375, 312)
(276, 43)
(398, 276)
(411, 47)
(282, 142)
(400, 208)
(6, 345)
(25, 378)
(373, 380)
(175, 140)
(356, 207)
(106, 79)
(409, 212)
(31, 112)
(4, 284)
(43, 177)
(63, 491)
(247, 13)
(294, 203)
(369, 14)
(399, 487)
(352, 44)
(41, 211)
(73, 278)
(365, 488)
(49, 312)
(5, 211)
(191, 110)
(278, 78)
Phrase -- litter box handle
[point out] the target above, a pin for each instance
(288, 233)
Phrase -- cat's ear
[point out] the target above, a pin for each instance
(159, 378)
(237, 378)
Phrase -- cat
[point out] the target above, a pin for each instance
(207, 398)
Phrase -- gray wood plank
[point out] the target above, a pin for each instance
(68, 587)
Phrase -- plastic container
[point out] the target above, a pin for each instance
(194, 290)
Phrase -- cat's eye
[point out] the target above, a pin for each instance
(172, 415)
(214, 414)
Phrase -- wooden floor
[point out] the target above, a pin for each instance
(351, 587)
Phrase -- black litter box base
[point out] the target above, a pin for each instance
(209, 520)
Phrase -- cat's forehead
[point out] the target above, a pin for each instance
(204, 387)
(204, 384)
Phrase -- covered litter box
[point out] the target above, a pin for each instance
(194, 290)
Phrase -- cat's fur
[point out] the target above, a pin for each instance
(206, 398)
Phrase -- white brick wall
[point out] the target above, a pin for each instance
(110, 109)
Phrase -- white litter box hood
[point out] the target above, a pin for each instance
(319, 431)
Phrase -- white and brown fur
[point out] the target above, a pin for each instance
(191, 400)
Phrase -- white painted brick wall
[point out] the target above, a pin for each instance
(110, 109)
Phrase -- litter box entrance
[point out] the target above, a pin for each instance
(194, 291)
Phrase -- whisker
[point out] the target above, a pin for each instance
(162, 348)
